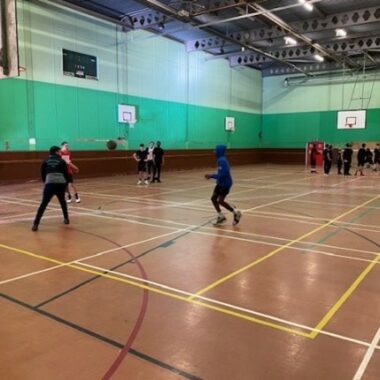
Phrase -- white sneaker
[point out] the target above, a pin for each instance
(68, 200)
(220, 219)
(139, 182)
(146, 182)
(77, 200)
(237, 217)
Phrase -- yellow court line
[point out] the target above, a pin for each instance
(323, 322)
(277, 250)
(161, 292)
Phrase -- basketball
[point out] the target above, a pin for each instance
(111, 144)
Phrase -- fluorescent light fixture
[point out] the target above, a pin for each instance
(290, 41)
(319, 57)
(306, 5)
(340, 33)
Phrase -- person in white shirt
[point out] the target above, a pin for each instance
(149, 161)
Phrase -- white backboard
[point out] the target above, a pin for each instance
(126, 114)
(351, 119)
(229, 124)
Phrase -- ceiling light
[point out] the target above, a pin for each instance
(340, 32)
(290, 41)
(306, 5)
(242, 48)
(319, 58)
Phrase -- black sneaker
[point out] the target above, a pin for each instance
(237, 217)
(35, 227)
(66, 221)
(219, 220)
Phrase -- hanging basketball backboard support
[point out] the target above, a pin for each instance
(9, 65)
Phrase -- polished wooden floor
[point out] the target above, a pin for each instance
(141, 285)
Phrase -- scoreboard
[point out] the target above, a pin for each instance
(79, 65)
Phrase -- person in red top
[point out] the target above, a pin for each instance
(71, 168)
(313, 159)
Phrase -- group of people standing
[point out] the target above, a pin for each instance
(149, 163)
(344, 159)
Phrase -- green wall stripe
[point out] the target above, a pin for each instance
(293, 130)
(75, 114)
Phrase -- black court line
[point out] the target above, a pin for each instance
(102, 338)
(364, 237)
(165, 244)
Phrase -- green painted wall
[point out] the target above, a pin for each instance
(297, 114)
(182, 99)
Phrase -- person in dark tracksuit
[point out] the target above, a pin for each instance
(347, 159)
(55, 176)
(141, 157)
(223, 186)
(361, 160)
(327, 159)
(158, 159)
(339, 161)
(376, 160)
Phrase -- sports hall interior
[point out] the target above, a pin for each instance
(141, 284)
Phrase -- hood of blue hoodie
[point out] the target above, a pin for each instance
(220, 150)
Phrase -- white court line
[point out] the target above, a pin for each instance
(122, 217)
(230, 306)
(91, 212)
(289, 198)
(367, 357)
(353, 226)
(87, 257)
(143, 197)
(278, 201)
(334, 204)
(9, 201)
(172, 233)
(189, 228)
(158, 193)
(260, 235)
(296, 216)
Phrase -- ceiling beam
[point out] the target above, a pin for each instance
(302, 52)
(144, 19)
(315, 67)
(301, 37)
(157, 5)
(339, 20)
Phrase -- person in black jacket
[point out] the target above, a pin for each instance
(347, 159)
(327, 159)
(55, 176)
(158, 159)
(361, 160)
(339, 161)
(376, 160)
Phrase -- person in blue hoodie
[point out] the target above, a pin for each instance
(223, 186)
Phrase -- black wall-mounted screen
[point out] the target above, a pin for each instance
(79, 65)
